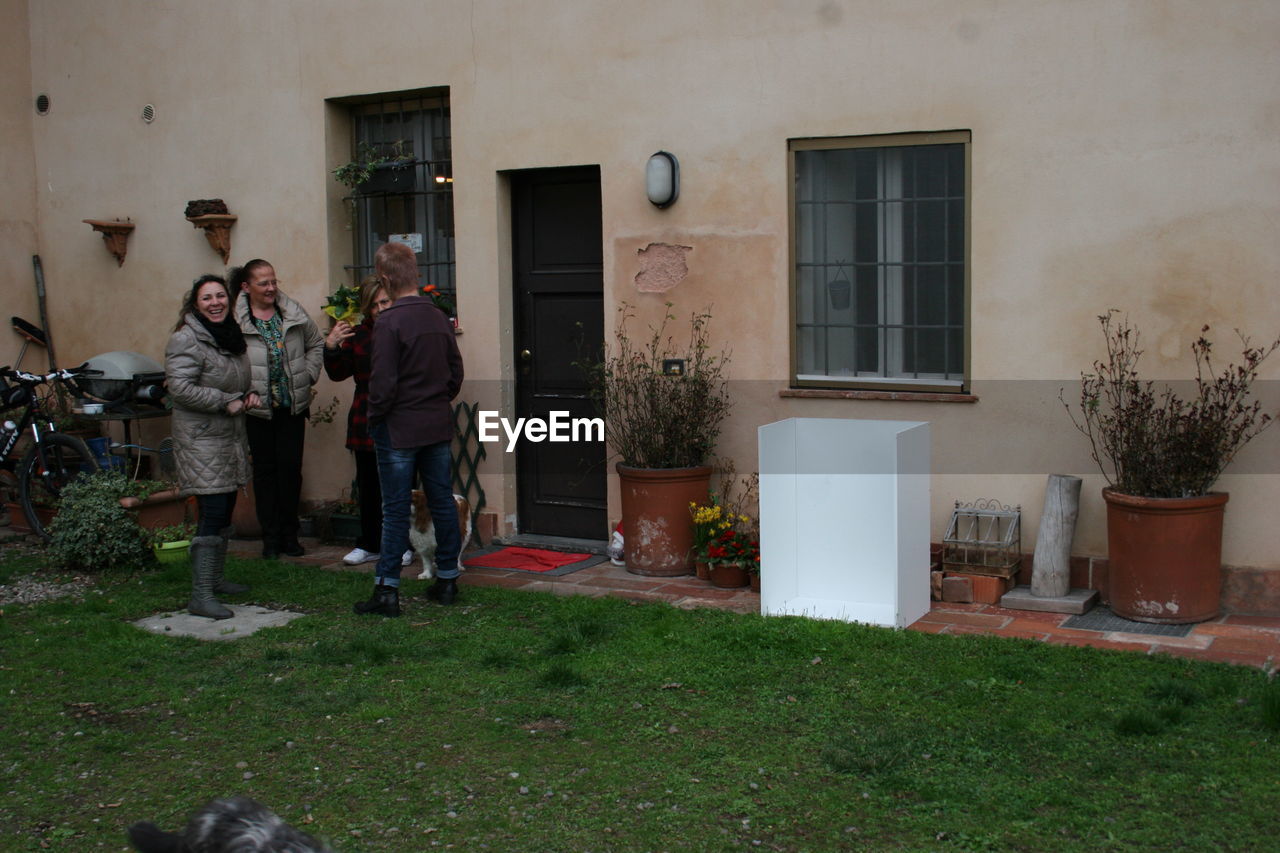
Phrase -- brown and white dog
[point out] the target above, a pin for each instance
(422, 531)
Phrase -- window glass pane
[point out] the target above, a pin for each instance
(866, 247)
(840, 358)
(867, 171)
(931, 295)
(838, 232)
(955, 294)
(930, 171)
(806, 296)
(955, 231)
(806, 234)
(955, 171)
(931, 231)
(809, 357)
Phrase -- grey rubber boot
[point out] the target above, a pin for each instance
(221, 586)
(205, 560)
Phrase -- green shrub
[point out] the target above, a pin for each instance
(93, 532)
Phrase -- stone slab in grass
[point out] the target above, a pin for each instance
(248, 619)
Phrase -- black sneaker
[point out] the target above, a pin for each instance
(292, 549)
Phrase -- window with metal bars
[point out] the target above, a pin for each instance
(880, 261)
(408, 197)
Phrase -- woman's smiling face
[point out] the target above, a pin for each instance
(212, 301)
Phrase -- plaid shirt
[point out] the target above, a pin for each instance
(351, 359)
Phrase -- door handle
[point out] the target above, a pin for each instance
(526, 356)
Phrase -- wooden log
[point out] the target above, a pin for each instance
(1051, 568)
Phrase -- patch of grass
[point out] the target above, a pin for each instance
(1269, 706)
(519, 721)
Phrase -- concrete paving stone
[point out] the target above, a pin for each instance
(1189, 642)
(247, 619)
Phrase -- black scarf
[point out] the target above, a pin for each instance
(226, 335)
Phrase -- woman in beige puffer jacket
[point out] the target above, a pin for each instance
(207, 375)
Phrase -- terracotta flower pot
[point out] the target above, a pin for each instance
(1165, 556)
(655, 517)
(755, 581)
(702, 569)
(161, 509)
(729, 575)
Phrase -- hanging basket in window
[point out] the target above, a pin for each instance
(840, 291)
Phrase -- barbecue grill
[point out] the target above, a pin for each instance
(121, 378)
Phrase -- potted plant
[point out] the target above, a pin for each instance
(731, 556)
(708, 520)
(370, 161)
(170, 542)
(93, 530)
(663, 406)
(1161, 454)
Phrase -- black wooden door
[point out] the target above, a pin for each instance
(559, 320)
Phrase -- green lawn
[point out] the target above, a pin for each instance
(519, 721)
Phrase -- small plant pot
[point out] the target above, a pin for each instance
(171, 552)
(702, 570)
(755, 581)
(729, 576)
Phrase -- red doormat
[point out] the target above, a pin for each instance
(531, 560)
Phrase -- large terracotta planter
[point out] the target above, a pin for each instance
(1165, 556)
(655, 517)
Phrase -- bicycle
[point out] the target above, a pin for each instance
(53, 458)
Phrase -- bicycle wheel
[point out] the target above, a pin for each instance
(40, 483)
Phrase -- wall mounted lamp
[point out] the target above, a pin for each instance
(662, 179)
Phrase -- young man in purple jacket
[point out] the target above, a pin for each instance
(415, 372)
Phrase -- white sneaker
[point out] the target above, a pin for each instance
(407, 559)
(358, 556)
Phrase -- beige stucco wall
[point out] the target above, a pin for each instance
(1123, 155)
(17, 183)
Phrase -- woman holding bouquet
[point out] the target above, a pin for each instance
(346, 356)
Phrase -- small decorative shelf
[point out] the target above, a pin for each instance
(115, 234)
(217, 230)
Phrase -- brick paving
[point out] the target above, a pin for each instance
(1231, 638)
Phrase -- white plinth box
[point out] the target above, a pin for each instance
(844, 520)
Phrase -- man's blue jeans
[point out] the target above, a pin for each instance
(396, 469)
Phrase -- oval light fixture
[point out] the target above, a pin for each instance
(42, 104)
(662, 179)
(148, 113)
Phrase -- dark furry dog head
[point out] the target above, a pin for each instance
(234, 825)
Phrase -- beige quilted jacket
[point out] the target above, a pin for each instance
(208, 444)
(304, 353)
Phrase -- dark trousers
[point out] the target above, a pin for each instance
(276, 448)
(370, 492)
(215, 512)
